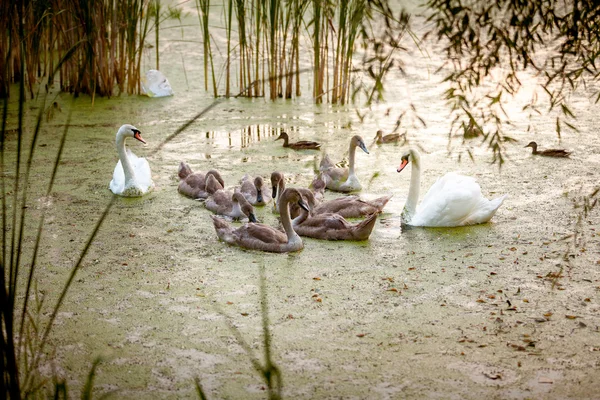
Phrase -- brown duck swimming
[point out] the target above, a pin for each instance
(193, 185)
(301, 145)
(263, 237)
(548, 152)
(391, 138)
(254, 190)
(333, 226)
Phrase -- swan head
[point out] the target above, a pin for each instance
(283, 135)
(130, 131)
(293, 196)
(411, 155)
(276, 177)
(258, 184)
(246, 207)
(357, 141)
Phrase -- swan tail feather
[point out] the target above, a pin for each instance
(363, 229)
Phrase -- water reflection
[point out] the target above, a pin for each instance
(249, 135)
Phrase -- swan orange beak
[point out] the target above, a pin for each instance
(137, 135)
(404, 164)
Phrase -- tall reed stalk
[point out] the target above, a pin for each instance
(203, 7)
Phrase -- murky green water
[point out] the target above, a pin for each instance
(419, 313)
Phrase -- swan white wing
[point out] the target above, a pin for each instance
(142, 182)
(453, 200)
(143, 175)
(117, 184)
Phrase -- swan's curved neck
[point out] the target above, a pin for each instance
(410, 207)
(122, 150)
(352, 153)
(300, 218)
(280, 189)
(286, 221)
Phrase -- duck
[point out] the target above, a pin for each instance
(453, 200)
(330, 226)
(254, 191)
(132, 176)
(235, 205)
(257, 236)
(193, 185)
(343, 179)
(278, 187)
(301, 145)
(351, 206)
(391, 138)
(549, 152)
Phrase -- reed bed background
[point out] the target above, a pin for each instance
(267, 48)
(270, 44)
(100, 41)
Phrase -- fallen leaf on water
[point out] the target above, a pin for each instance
(230, 302)
(244, 314)
(316, 278)
(544, 379)
(548, 314)
(392, 290)
(571, 316)
(480, 301)
(361, 334)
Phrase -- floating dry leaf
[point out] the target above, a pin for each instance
(571, 316)
(492, 376)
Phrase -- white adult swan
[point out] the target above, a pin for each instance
(132, 176)
(453, 200)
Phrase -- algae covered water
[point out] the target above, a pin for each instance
(459, 312)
